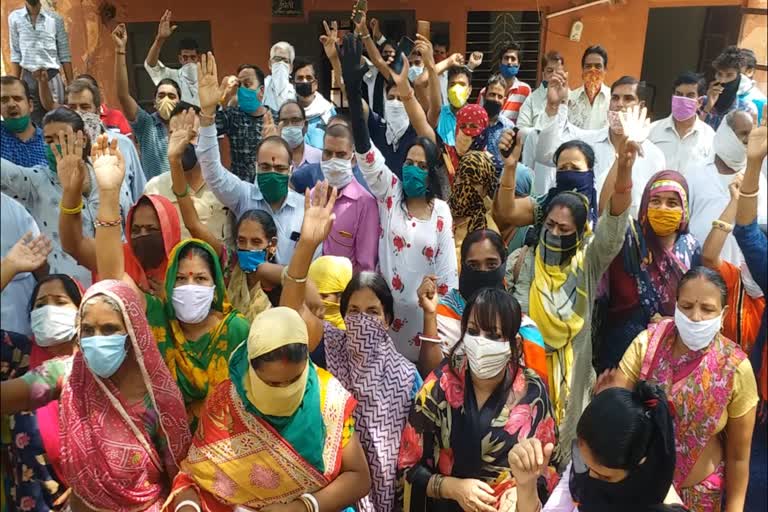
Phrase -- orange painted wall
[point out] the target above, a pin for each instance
(241, 31)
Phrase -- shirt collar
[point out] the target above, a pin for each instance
(353, 191)
(669, 125)
(29, 14)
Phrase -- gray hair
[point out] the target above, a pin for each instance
(730, 117)
(104, 299)
(282, 45)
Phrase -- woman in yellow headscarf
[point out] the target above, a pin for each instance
(286, 425)
(331, 275)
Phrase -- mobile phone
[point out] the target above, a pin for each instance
(405, 47)
(423, 28)
(509, 151)
(361, 6)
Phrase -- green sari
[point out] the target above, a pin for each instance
(199, 365)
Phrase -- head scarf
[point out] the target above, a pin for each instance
(331, 274)
(582, 182)
(170, 227)
(729, 147)
(470, 113)
(101, 438)
(475, 168)
(366, 362)
(271, 330)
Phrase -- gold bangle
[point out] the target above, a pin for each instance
(207, 117)
(108, 224)
(750, 195)
(71, 211)
(722, 225)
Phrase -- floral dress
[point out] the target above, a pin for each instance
(409, 249)
(448, 434)
(35, 487)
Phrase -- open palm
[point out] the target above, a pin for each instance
(70, 166)
(108, 164)
(183, 131)
(29, 253)
(318, 213)
(208, 82)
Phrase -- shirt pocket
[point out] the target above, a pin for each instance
(343, 240)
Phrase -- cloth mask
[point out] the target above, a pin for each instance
(192, 302)
(53, 325)
(458, 95)
(164, 107)
(93, 126)
(16, 124)
(487, 358)
(727, 98)
(415, 72)
(663, 221)
(697, 335)
(593, 82)
(248, 100)
(338, 172)
(414, 181)
(274, 401)
(471, 281)
(189, 158)
(273, 185)
(558, 250)
(729, 147)
(332, 313)
(293, 135)
(684, 108)
(280, 72)
(614, 121)
(493, 108)
(188, 73)
(104, 354)
(250, 261)
(149, 249)
(397, 120)
(509, 70)
(52, 164)
(303, 89)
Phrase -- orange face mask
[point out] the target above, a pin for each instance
(593, 81)
(664, 222)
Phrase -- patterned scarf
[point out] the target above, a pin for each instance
(475, 168)
(110, 462)
(366, 362)
(475, 115)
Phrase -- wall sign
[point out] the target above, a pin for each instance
(287, 8)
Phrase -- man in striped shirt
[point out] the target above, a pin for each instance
(517, 91)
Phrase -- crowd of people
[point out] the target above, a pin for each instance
(538, 301)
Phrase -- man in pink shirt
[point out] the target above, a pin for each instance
(355, 232)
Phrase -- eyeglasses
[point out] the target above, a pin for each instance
(421, 165)
(282, 169)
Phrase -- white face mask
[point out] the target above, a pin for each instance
(397, 120)
(188, 72)
(192, 302)
(729, 147)
(280, 72)
(337, 171)
(53, 325)
(697, 335)
(487, 358)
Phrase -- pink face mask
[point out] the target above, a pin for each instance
(684, 108)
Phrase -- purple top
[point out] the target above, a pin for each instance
(355, 232)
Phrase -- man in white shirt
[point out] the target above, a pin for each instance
(536, 102)
(189, 52)
(588, 105)
(556, 128)
(277, 86)
(683, 137)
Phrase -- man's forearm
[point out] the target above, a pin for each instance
(154, 52)
(16, 69)
(68, 71)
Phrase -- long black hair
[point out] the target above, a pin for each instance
(434, 188)
(70, 287)
(377, 284)
(68, 116)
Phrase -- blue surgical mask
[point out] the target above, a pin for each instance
(509, 70)
(248, 100)
(251, 260)
(415, 72)
(414, 181)
(104, 354)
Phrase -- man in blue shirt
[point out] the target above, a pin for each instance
(21, 142)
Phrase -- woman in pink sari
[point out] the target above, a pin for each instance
(123, 424)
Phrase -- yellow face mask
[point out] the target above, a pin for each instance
(664, 222)
(274, 401)
(332, 314)
(164, 107)
(458, 95)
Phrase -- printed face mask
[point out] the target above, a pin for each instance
(104, 354)
(53, 325)
(458, 95)
(486, 358)
(337, 171)
(192, 302)
(697, 335)
(593, 82)
(164, 107)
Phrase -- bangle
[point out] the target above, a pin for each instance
(285, 275)
(430, 340)
(110, 224)
(506, 187)
(307, 503)
(750, 195)
(313, 502)
(437, 484)
(188, 503)
(722, 225)
(71, 211)
(206, 117)
(622, 190)
(182, 195)
(366, 36)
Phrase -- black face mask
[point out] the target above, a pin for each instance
(189, 158)
(558, 250)
(728, 96)
(149, 249)
(492, 107)
(471, 281)
(303, 89)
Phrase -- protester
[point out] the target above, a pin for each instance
(493, 101)
(471, 412)
(35, 464)
(685, 140)
(299, 415)
(588, 105)
(317, 109)
(112, 119)
(624, 457)
(459, 90)
(293, 127)
(516, 91)
(42, 51)
(714, 392)
(658, 250)
(536, 102)
(150, 130)
(723, 93)
(21, 140)
(331, 275)
(748, 89)
(277, 86)
(117, 402)
(189, 52)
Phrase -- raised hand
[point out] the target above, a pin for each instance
(456, 59)
(120, 37)
(508, 137)
(557, 88)
(735, 187)
(268, 127)
(165, 29)
(183, 130)
(208, 83)
(228, 88)
(424, 47)
(70, 166)
(427, 294)
(757, 146)
(352, 67)
(528, 459)
(108, 164)
(375, 29)
(361, 27)
(29, 253)
(636, 124)
(318, 213)
(401, 79)
(330, 39)
(475, 60)
(713, 93)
